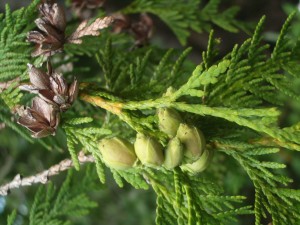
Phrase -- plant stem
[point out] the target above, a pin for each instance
(43, 177)
(113, 107)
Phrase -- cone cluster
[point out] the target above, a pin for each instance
(55, 95)
(186, 147)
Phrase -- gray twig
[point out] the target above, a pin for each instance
(43, 177)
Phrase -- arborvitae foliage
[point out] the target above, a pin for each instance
(54, 207)
(185, 15)
(235, 100)
(14, 55)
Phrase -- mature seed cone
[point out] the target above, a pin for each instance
(148, 150)
(117, 153)
(142, 30)
(201, 164)
(193, 141)
(52, 87)
(83, 8)
(121, 23)
(41, 119)
(168, 121)
(91, 4)
(173, 154)
(52, 24)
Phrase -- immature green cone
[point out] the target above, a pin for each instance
(148, 150)
(168, 121)
(117, 153)
(201, 164)
(192, 140)
(173, 154)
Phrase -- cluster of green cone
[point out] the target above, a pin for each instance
(186, 147)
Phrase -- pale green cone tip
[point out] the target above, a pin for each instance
(193, 141)
(173, 154)
(117, 153)
(170, 91)
(201, 164)
(148, 150)
(168, 121)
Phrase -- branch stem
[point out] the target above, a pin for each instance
(43, 177)
(113, 107)
(243, 117)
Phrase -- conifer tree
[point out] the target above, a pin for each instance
(84, 89)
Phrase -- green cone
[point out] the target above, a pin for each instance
(193, 141)
(168, 121)
(173, 154)
(117, 153)
(148, 150)
(201, 164)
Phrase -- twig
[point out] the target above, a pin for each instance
(43, 177)
(113, 107)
